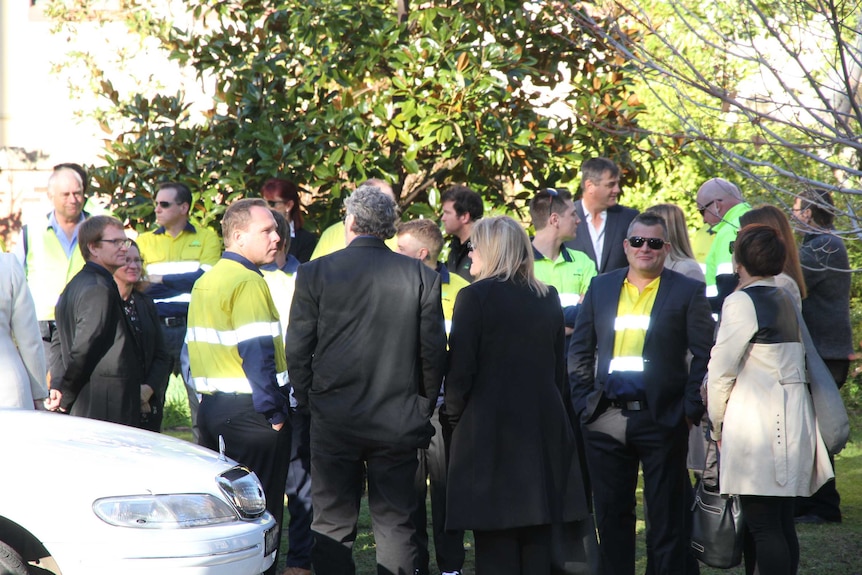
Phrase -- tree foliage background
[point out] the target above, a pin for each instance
(503, 96)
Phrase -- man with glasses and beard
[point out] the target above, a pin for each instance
(176, 254)
(637, 396)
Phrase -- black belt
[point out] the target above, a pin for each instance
(178, 321)
(629, 405)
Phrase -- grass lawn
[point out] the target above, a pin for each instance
(825, 549)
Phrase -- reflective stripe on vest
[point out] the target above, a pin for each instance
(231, 384)
(232, 338)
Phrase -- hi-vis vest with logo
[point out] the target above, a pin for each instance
(196, 248)
(48, 269)
(231, 305)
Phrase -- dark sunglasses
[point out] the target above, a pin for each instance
(652, 243)
(730, 246)
(164, 205)
(706, 207)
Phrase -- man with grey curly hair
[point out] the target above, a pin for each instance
(374, 213)
(370, 404)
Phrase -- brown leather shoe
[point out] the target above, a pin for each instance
(296, 571)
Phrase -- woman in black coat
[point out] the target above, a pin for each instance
(144, 320)
(514, 473)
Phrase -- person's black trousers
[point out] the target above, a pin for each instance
(337, 463)
(617, 442)
(298, 491)
(250, 440)
(448, 545)
(770, 546)
(518, 551)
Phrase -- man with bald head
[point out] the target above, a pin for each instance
(721, 204)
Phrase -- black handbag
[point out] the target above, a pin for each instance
(717, 528)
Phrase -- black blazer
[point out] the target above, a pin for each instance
(513, 460)
(681, 321)
(100, 370)
(366, 344)
(613, 255)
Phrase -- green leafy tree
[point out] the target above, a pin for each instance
(501, 95)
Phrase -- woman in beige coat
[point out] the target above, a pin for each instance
(760, 407)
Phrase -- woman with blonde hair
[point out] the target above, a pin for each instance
(506, 406)
(681, 257)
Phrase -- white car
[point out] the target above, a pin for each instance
(85, 497)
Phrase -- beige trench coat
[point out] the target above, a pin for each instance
(761, 409)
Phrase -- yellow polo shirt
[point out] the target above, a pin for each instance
(631, 325)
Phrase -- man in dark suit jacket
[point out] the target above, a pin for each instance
(99, 374)
(637, 396)
(604, 222)
(366, 350)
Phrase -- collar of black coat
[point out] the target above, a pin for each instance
(99, 269)
(235, 257)
(366, 242)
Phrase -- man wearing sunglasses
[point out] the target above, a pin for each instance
(176, 254)
(637, 396)
(721, 204)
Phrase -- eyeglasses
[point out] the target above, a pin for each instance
(706, 207)
(652, 243)
(164, 205)
(274, 203)
(133, 261)
(118, 242)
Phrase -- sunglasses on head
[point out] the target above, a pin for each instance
(652, 243)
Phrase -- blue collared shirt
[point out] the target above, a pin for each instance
(69, 245)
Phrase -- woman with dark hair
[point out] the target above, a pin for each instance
(144, 320)
(283, 196)
(760, 407)
(514, 472)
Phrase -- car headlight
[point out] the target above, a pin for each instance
(164, 511)
(243, 489)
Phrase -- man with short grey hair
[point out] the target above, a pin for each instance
(370, 402)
